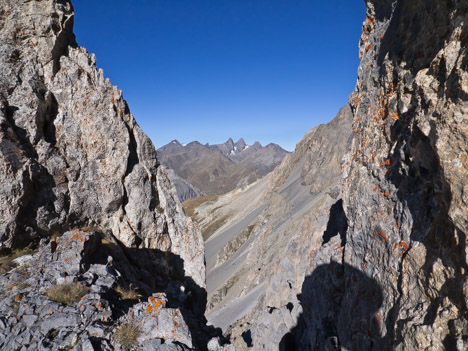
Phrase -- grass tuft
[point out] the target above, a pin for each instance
(6, 260)
(127, 335)
(67, 293)
(127, 293)
(6, 264)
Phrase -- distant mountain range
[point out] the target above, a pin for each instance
(219, 168)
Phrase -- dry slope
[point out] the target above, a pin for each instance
(270, 227)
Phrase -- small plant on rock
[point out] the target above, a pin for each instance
(6, 264)
(127, 293)
(6, 259)
(127, 334)
(67, 293)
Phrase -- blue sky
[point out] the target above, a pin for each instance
(207, 70)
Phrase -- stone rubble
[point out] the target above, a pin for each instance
(30, 320)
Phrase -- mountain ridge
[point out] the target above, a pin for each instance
(219, 168)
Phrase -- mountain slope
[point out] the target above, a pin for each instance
(185, 191)
(217, 169)
(288, 207)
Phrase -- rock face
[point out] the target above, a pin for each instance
(405, 182)
(71, 154)
(385, 268)
(217, 169)
(74, 161)
(257, 259)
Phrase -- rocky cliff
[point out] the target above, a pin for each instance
(73, 158)
(71, 152)
(385, 267)
(405, 182)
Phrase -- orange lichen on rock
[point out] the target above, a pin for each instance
(153, 305)
(402, 244)
(386, 193)
(357, 100)
(379, 321)
(312, 255)
(381, 234)
(395, 116)
(382, 112)
(386, 163)
(156, 305)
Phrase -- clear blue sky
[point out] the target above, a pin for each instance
(207, 70)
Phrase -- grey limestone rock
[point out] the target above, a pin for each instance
(71, 153)
(81, 181)
(405, 180)
(396, 279)
(34, 318)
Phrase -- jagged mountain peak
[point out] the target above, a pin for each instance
(218, 168)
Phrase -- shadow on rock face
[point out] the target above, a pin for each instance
(337, 224)
(417, 173)
(324, 301)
